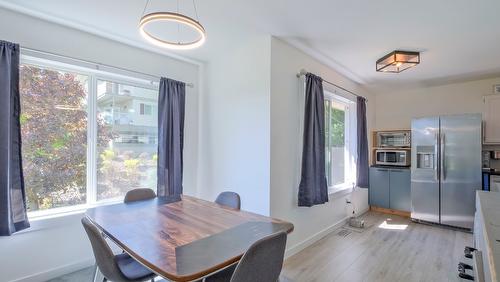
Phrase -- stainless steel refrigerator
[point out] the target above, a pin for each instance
(446, 169)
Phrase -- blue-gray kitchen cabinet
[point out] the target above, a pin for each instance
(400, 189)
(379, 187)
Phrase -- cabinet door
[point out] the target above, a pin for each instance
(379, 187)
(491, 116)
(400, 189)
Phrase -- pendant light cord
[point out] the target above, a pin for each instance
(178, 26)
(196, 12)
(194, 6)
(145, 7)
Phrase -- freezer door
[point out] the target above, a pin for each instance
(460, 144)
(425, 169)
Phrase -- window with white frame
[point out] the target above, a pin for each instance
(340, 141)
(85, 137)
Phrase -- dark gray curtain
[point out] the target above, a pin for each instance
(171, 102)
(362, 144)
(313, 189)
(13, 216)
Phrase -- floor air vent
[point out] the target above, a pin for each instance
(344, 233)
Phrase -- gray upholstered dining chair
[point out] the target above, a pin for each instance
(229, 199)
(139, 194)
(116, 268)
(261, 262)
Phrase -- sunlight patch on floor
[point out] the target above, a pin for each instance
(391, 226)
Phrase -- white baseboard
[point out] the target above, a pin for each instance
(365, 210)
(311, 240)
(56, 272)
(316, 237)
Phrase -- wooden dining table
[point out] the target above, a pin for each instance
(183, 238)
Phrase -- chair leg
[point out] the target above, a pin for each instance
(94, 276)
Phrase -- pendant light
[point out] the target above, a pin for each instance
(180, 20)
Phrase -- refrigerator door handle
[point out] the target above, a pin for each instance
(442, 157)
(436, 158)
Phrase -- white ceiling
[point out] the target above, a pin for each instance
(459, 39)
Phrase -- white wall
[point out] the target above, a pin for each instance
(63, 245)
(310, 223)
(235, 136)
(395, 109)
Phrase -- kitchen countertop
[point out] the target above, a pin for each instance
(489, 204)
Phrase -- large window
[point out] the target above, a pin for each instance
(88, 136)
(340, 141)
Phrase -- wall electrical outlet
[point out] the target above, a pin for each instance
(350, 208)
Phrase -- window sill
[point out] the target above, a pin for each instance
(339, 191)
(55, 213)
(63, 211)
(58, 217)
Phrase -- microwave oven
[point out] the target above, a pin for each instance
(399, 139)
(393, 157)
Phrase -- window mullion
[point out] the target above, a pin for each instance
(331, 148)
(347, 144)
(329, 143)
(92, 143)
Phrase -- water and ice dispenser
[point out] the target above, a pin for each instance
(425, 157)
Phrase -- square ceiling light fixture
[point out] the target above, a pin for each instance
(398, 61)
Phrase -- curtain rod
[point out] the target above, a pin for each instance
(98, 65)
(304, 72)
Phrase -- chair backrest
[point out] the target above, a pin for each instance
(229, 199)
(104, 257)
(139, 194)
(263, 260)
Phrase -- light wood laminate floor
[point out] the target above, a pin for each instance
(392, 248)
